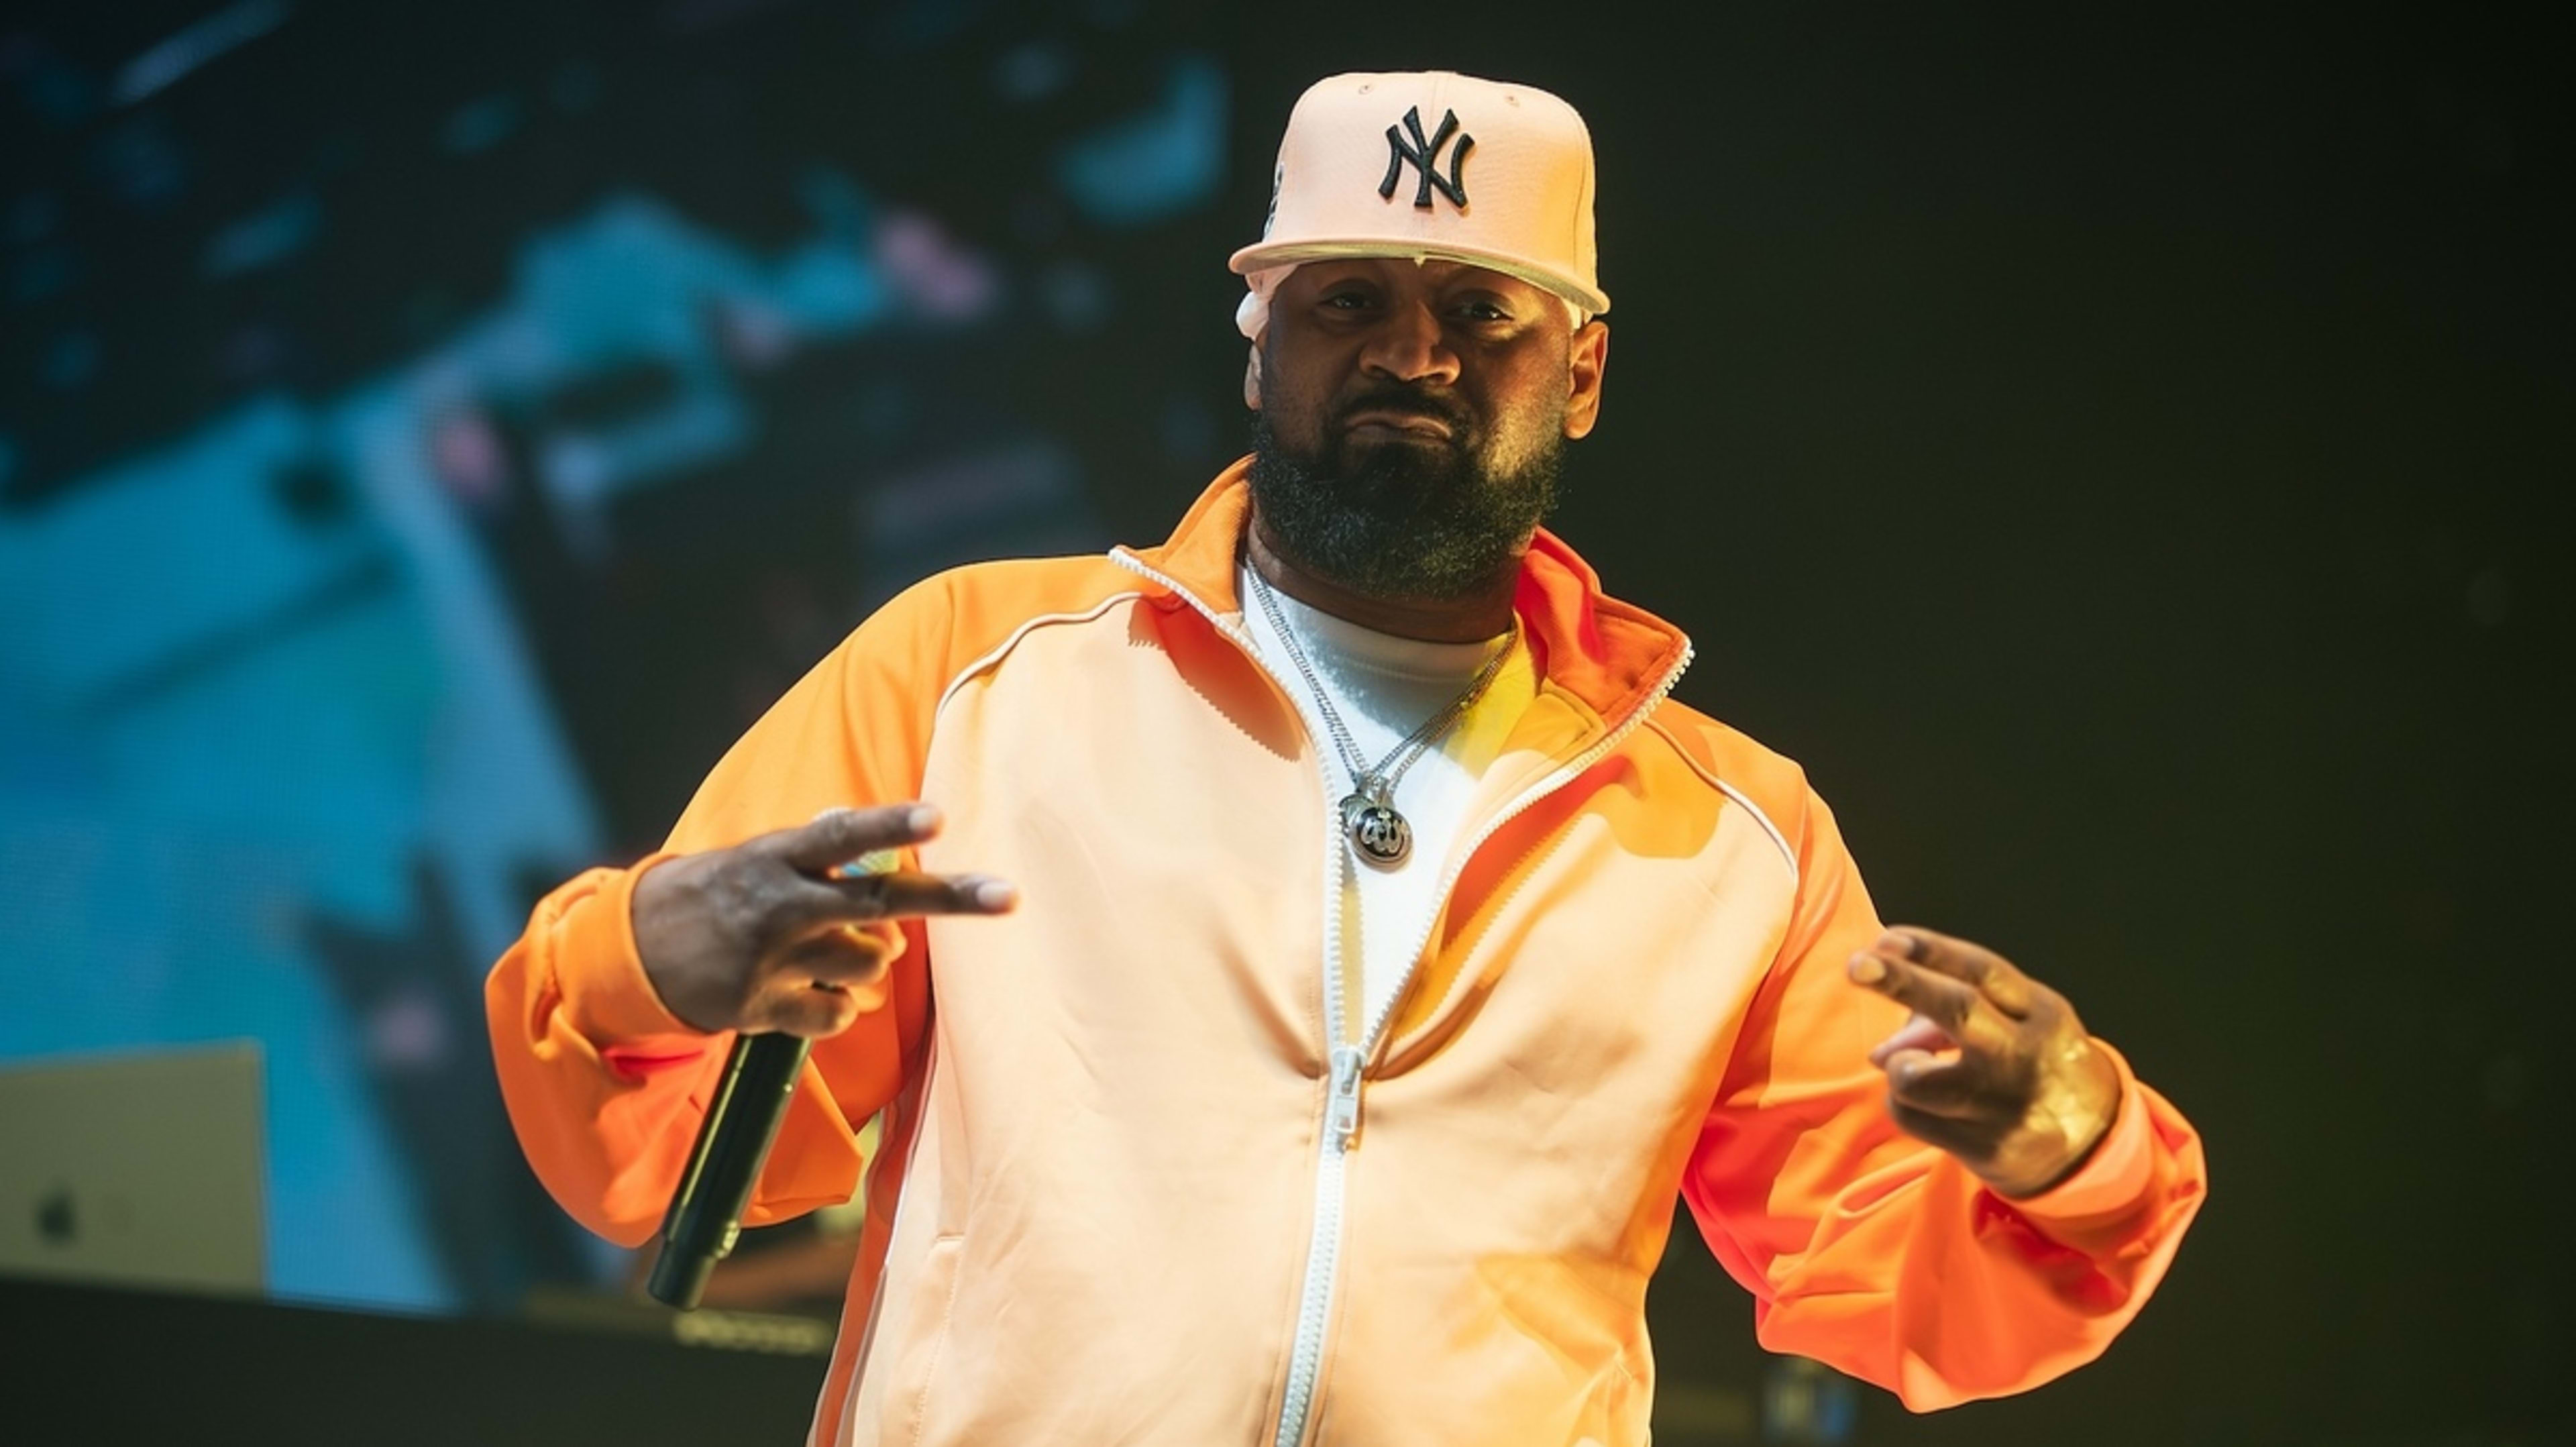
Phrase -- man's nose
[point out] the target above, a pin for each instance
(1408, 347)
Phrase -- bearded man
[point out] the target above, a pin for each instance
(1325, 952)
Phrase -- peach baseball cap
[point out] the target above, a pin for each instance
(1431, 164)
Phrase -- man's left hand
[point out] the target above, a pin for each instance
(1994, 1067)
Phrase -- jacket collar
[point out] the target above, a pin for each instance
(1612, 656)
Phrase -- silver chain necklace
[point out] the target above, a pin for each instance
(1378, 832)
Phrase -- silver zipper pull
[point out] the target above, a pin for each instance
(1342, 1111)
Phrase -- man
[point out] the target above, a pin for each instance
(1326, 952)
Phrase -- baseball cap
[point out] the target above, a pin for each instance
(1431, 165)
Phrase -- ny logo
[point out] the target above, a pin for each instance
(1425, 156)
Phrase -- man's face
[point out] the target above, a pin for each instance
(1411, 421)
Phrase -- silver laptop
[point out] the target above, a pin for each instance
(137, 1169)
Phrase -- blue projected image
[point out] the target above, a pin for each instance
(304, 697)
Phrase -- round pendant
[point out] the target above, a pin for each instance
(1378, 833)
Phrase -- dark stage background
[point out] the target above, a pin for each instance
(2124, 457)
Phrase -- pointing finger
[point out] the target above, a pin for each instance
(1992, 974)
(906, 894)
(1946, 1002)
(838, 836)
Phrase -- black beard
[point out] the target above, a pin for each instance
(1413, 522)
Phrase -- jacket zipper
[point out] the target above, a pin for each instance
(1348, 1064)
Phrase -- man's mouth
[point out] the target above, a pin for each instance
(1397, 424)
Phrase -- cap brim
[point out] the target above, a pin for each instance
(1254, 257)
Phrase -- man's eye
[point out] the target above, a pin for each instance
(1346, 300)
(1483, 311)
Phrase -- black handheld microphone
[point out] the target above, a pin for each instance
(705, 1218)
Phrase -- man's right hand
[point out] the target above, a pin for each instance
(769, 935)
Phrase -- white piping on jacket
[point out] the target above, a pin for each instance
(995, 654)
(1787, 854)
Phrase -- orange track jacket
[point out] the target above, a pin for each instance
(1113, 1205)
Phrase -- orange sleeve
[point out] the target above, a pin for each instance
(604, 1086)
(1879, 1255)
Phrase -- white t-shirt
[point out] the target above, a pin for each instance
(1383, 687)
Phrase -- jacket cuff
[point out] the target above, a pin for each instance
(607, 997)
(2119, 1172)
